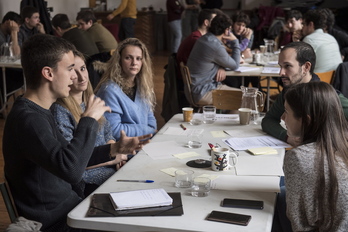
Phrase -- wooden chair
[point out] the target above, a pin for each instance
(227, 99)
(327, 77)
(186, 76)
(8, 200)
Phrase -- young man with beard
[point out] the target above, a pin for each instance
(297, 61)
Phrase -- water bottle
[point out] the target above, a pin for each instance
(5, 55)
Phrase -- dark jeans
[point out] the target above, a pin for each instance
(126, 28)
(281, 223)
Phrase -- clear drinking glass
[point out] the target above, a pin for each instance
(209, 114)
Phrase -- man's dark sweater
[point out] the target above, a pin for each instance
(41, 166)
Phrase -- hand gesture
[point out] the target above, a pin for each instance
(129, 145)
(228, 36)
(95, 108)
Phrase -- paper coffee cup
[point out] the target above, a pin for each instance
(187, 113)
(244, 116)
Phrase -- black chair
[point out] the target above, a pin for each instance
(8, 200)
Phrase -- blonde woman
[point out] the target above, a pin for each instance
(127, 88)
(67, 113)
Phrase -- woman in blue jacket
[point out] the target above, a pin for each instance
(127, 88)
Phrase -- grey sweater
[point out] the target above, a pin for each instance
(207, 56)
(300, 181)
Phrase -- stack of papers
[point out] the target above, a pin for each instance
(240, 144)
(140, 199)
(247, 69)
(271, 70)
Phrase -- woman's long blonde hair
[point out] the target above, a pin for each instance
(144, 79)
(71, 104)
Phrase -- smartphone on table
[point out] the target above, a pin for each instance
(241, 203)
(233, 218)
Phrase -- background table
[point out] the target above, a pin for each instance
(195, 209)
(4, 93)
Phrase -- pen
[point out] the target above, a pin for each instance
(182, 126)
(140, 181)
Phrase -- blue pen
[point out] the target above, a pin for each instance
(139, 181)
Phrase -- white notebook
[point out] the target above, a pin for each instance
(140, 199)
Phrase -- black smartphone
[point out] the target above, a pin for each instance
(233, 218)
(240, 203)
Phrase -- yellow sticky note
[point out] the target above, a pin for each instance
(169, 171)
(218, 134)
(263, 151)
(186, 155)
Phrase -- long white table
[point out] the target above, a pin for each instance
(195, 208)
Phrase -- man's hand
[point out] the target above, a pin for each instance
(297, 36)
(13, 26)
(95, 108)
(40, 27)
(229, 36)
(129, 145)
(221, 75)
(247, 32)
(110, 17)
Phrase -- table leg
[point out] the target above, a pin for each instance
(268, 91)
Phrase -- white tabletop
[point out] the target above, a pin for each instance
(195, 209)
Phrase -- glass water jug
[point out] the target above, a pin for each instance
(269, 47)
(253, 99)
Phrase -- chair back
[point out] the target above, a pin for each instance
(8, 200)
(227, 99)
(327, 76)
(186, 76)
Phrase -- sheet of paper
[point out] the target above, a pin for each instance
(252, 142)
(244, 133)
(275, 70)
(247, 69)
(259, 166)
(227, 117)
(247, 183)
(180, 131)
(163, 150)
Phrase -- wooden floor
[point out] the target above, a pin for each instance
(159, 61)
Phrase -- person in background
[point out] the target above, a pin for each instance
(297, 61)
(31, 24)
(245, 37)
(101, 36)
(204, 20)
(244, 34)
(67, 113)
(189, 18)
(208, 56)
(340, 35)
(316, 188)
(9, 30)
(127, 87)
(128, 11)
(79, 38)
(174, 11)
(325, 45)
(293, 19)
(40, 164)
